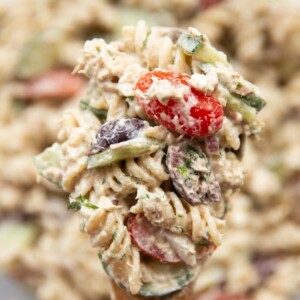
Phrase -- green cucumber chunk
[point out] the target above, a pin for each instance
(48, 165)
(40, 54)
(15, 237)
(252, 100)
(124, 150)
(248, 113)
(200, 49)
(167, 279)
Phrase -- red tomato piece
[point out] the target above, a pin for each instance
(53, 85)
(150, 240)
(197, 114)
(205, 4)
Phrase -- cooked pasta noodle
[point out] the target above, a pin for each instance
(108, 233)
(196, 221)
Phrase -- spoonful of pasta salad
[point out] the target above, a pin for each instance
(152, 155)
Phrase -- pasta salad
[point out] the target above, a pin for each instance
(153, 154)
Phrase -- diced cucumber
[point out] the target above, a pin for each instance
(15, 237)
(168, 279)
(252, 100)
(124, 150)
(100, 113)
(38, 55)
(48, 164)
(200, 49)
(189, 44)
(248, 113)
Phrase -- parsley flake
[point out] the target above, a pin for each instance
(81, 201)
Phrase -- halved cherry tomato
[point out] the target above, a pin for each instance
(53, 85)
(150, 240)
(196, 114)
(205, 4)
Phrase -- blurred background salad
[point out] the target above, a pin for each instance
(40, 41)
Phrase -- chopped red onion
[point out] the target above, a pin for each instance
(212, 144)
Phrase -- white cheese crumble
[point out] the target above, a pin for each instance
(206, 83)
(163, 90)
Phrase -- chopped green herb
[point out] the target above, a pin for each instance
(190, 149)
(187, 163)
(183, 170)
(100, 254)
(114, 236)
(123, 257)
(135, 177)
(146, 196)
(76, 204)
(238, 86)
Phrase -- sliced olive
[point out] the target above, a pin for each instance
(117, 131)
(191, 173)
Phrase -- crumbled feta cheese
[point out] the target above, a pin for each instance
(206, 83)
(163, 90)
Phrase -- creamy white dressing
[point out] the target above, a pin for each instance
(183, 247)
(200, 164)
(163, 90)
(128, 79)
(205, 83)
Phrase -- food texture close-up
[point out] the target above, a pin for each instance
(150, 149)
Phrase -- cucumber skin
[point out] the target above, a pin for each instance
(145, 291)
(50, 157)
(110, 156)
(252, 100)
(182, 281)
(248, 113)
